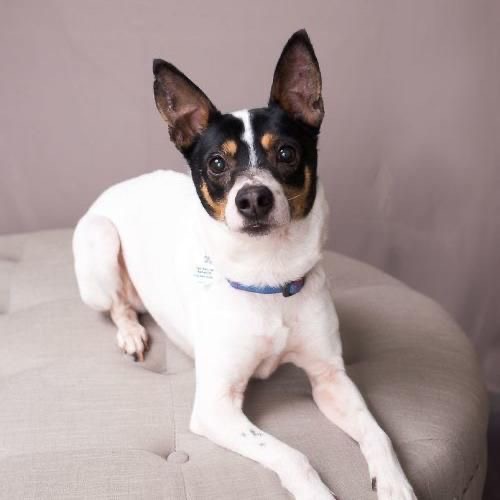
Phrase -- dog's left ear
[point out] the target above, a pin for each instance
(297, 81)
(186, 109)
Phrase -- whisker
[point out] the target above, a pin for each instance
(296, 196)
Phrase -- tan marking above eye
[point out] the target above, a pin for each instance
(297, 197)
(267, 140)
(229, 147)
(218, 207)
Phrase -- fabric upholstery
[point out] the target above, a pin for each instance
(80, 420)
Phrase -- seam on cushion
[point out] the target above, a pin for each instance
(471, 478)
(464, 488)
(174, 426)
(482, 465)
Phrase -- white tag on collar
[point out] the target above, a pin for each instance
(204, 270)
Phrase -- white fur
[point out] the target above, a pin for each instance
(248, 135)
(164, 233)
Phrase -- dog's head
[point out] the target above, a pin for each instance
(254, 170)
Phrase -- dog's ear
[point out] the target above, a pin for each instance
(186, 109)
(297, 81)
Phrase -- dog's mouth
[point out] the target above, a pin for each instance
(257, 228)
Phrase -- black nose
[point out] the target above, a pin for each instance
(254, 202)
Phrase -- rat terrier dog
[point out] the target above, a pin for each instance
(228, 263)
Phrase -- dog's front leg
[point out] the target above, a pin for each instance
(340, 401)
(318, 352)
(218, 415)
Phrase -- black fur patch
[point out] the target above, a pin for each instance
(286, 130)
(292, 119)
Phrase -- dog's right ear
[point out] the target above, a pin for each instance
(186, 109)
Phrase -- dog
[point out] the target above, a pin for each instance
(228, 263)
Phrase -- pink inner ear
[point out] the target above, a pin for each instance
(189, 121)
(297, 86)
(198, 118)
(186, 109)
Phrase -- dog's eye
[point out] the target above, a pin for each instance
(286, 154)
(217, 164)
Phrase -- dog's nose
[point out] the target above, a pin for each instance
(254, 202)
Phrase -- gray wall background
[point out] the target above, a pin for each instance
(410, 147)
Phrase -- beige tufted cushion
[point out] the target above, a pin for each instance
(79, 420)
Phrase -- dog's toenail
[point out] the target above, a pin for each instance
(374, 484)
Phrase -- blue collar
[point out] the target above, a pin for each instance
(288, 289)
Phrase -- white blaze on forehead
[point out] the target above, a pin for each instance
(247, 137)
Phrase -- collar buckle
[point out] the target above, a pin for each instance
(293, 287)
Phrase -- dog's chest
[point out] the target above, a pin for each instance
(273, 341)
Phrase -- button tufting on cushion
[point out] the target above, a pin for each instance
(178, 457)
(80, 420)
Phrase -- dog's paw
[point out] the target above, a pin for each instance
(386, 473)
(391, 484)
(315, 489)
(304, 482)
(133, 341)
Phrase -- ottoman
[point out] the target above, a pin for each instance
(80, 420)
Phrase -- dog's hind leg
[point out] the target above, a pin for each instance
(104, 282)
